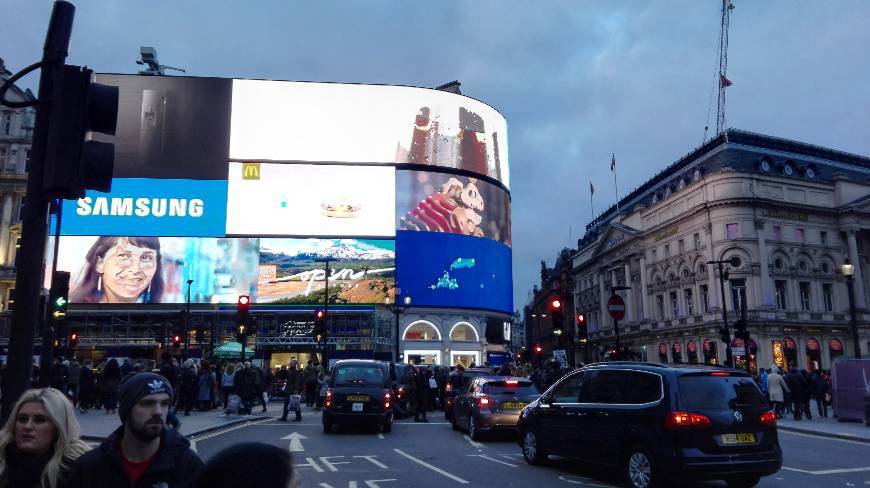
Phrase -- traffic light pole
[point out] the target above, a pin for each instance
(30, 262)
(729, 356)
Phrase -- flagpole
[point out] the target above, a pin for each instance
(615, 189)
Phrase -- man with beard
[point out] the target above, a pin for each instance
(142, 451)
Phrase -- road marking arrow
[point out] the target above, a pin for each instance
(295, 441)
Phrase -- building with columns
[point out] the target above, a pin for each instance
(783, 215)
(16, 132)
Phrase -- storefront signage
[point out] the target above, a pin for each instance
(666, 233)
(787, 215)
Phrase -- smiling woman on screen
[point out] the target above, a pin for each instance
(121, 270)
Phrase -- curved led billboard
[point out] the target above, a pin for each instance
(246, 187)
(449, 270)
(298, 121)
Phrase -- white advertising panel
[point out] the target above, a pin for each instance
(296, 121)
(272, 199)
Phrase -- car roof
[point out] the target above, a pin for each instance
(360, 362)
(675, 368)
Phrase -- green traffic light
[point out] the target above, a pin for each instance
(60, 302)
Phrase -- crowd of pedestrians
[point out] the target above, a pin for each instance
(792, 392)
(40, 444)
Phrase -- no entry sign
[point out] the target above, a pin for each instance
(616, 307)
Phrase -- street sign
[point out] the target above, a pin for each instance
(616, 307)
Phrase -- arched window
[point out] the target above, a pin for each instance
(463, 331)
(421, 331)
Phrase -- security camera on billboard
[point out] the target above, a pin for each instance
(292, 121)
(135, 269)
(293, 270)
(438, 202)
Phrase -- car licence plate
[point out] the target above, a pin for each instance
(513, 405)
(732, 439)
(357, 398)
(357, 407)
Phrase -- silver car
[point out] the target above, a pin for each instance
(492, 403)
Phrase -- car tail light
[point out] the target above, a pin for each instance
(720, 373)
(387, 400)
(512, 382)
(686, 420)
(327, 401)
(448, 388)
(484, 401)
(768, 418)
(400, 393)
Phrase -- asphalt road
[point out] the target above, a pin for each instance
(433, 455)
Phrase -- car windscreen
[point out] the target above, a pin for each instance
(359, 376)
(709, 392)
(510, 388)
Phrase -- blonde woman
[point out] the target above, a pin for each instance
(40, 441)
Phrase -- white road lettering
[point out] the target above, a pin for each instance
(295, 441)
(374, 483)
(380, 436)
(374, 461)
(493, 460)
(311, 464)
(331, 465)
(433, 468)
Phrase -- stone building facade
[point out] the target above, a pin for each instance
(784, 215)
(16, 132)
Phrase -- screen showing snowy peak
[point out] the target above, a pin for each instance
(437, 202)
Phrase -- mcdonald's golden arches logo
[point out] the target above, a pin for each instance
(250, 171)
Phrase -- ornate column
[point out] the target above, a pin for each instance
(764, 293)
(602, 289)
(629, 295)
(644, 299)
(5, 220)
(860, 300)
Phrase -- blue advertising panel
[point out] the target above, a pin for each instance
(450, 270)
(150, 207)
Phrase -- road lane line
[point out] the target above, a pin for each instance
(798, 470)
(473, 443)
(828, 471)
(433, 468)
(493, 460)
(824, 438)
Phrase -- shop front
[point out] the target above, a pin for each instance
(743, 352)
(692, 352)
(421, 343)
(663, 353)
(677, 353)
(814, 354)
(711, 353)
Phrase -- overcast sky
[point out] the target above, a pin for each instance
(576, 80)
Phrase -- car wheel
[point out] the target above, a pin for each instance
(473, 431)
(453, 423)
(533, 451)
(327, 428)
(640, 471)
(743, 481)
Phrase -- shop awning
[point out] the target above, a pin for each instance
(231, 350)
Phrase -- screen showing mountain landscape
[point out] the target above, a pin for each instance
(293, 271)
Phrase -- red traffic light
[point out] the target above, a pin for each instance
(244, 300)
(556, 304)
(538, 349)
(320, 314)
(176, 339)
(581, 319)
(73, 339)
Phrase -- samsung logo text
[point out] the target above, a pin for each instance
(140, 207)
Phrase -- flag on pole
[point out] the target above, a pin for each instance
(724, 82)
(591, 188)
(613, 162)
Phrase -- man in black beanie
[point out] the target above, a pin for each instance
(142, 451)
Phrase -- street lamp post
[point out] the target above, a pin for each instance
(729, 358)
(187, 320)
(397, 309)
(326, 260)
(848, 271)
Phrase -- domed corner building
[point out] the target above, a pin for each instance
(277, 191)
(783, 216)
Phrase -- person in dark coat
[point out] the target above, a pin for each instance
(87, 387)
(248, 464)
(188, 387)
(799, 388)
(109, 385)
(293, 386)
(142, 452)
(421, 394)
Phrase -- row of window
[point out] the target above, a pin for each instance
(681, 247)
(804, 296)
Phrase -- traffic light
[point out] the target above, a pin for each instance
(725, 336)
(538, 350)
(582, 332)
(242, 307)
(78, 106)
(59, 295)
(556, 313)
(176, 339)
(73, 340)
(320, 325)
